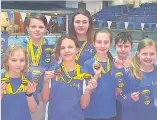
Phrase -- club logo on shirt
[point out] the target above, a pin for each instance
(76, 85)
(119, 76)
(89, 50)
(154, 83)
(145, 94)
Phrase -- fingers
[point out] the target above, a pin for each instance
(3, 86)
(31, 87)
(92, 84)
(135, 96)
(48, 75)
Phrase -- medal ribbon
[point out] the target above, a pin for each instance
(80, 51)
(77, 75)
(35, 56)
(21, 88)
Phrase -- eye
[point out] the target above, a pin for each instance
(14, 60)
(70, 46)
(41, 27)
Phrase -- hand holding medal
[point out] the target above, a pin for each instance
(31, 88)
(48, 76)
(92, 84)
(97, 68)
(118, 63)
(135, 96)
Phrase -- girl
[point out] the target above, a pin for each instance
(18, 97)
(138, 99)
(81, 28)
(66, 93)
(123, 45)
(103, 99)
(36, 26)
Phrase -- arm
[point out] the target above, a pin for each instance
(32, 97)
(32, 104)
(45, 92)
(46, 89)
(85, 98)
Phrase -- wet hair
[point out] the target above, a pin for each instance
(10, 51)
(123, 37)
(72, 31)
(107, 32)
(40, 17)
(59, 43)
(134, 65)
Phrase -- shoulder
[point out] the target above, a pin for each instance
(89, 61)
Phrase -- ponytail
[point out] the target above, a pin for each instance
(110, 56)
(134, 67)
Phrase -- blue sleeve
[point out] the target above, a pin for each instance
(129, 87)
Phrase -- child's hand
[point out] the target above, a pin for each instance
(97, 68)
(31, 87)
(92, 84)
(118, 63)
(135, 96)
(3, 87)
(48, 76)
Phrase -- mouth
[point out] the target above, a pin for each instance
(148, 61)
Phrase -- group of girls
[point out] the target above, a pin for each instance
(83, 81)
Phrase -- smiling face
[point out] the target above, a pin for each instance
(16, 61)
(123, 49)
(81, 24)
(102, 43)
(68, 50)
(36, 29)
(147, 55)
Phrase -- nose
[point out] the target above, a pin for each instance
(123, 48)
(66, 49)
(102, 45)
(81, 24)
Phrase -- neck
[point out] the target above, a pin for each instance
(146, 68)
(101, 57)
(69, 65)
(36, 42)
(13, 74)
(82, 37)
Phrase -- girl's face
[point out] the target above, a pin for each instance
(147, 55)
(68, 50)
(102, 43)
(36, 29)
(17, 61)
(81, 24)
(123, 49)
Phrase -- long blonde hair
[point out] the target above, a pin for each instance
(10, 51)
(134, 65)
